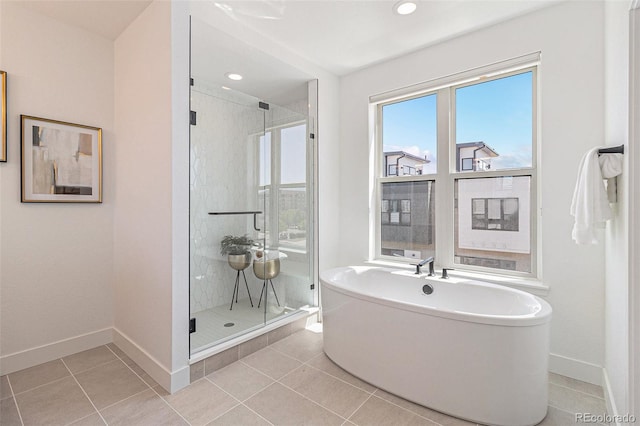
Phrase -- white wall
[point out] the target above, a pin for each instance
(143, 287)
(57, 259)
(180, 197)
(64, 262)
(617, 236)
(570, 37)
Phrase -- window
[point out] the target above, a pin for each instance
(409, 135)
(396, 212)
(407, 222)
(473, 144)
(499, 214)
(467, 164)
(283, 189)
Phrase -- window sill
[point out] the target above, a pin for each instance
(529, 285)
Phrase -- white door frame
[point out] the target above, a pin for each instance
(634, 208)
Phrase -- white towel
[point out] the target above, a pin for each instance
(590, 205)
(611, 166)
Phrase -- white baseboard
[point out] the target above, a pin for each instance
(170, 381)
(31, 357)
(576, 369)
(49, 352)
(612, 409)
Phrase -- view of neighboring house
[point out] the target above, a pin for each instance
(407, 207)
(474, 156)
(407, 219)
(492, 221)
(401, 163)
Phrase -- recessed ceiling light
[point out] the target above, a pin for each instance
(405, 7)
(233, 76)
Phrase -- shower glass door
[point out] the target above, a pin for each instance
(285, 193)
(251, 221)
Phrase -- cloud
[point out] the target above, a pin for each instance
(411, 149)
(511, 160)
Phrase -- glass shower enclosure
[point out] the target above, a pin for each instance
(251, 213)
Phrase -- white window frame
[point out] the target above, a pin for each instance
(446, 162)
(275, 186)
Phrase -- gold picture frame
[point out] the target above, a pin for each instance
(61, 162)
(3, 111)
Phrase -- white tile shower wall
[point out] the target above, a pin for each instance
(220, 181)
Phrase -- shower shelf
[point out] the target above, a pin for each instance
(253, 212)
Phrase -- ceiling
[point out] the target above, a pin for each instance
(107, 18)
(343, 36)
(215, 53)
(340, 36)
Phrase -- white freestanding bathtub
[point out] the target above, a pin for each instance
(469, 349)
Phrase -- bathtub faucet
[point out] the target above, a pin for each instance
(420, 264)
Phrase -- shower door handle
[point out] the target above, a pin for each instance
(254, 213)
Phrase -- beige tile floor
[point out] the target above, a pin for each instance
(290, 382)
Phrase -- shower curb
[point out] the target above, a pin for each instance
(228, 356)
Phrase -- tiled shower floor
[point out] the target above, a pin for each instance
(220, 322)
(290, 382)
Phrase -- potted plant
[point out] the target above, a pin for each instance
(237, 251)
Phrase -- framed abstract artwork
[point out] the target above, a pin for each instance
(61, 162)
(3, 148)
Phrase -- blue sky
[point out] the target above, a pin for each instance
(410, 126)
(497, 112)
